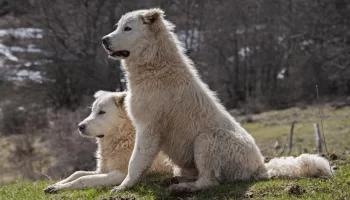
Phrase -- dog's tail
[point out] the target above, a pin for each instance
(305, 165)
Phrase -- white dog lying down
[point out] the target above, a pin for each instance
(115, 134)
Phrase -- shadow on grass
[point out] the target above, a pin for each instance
(154, 187)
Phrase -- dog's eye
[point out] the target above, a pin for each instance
(127, 28)
(101, 112)
(115, 26)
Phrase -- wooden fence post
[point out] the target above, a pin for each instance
(318, 138)
(276, 146)
(290, 142)
(290, 146)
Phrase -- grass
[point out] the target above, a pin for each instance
(270, 126)
(265, 128)
(154, 187)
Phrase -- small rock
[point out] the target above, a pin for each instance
(333, 156)
(170, 181)
(294, 189)
(335, 167)
(248, 194)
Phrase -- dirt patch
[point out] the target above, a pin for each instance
(294, 189)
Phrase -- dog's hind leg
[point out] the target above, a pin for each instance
(184, 174)
(204, 151)
(202, 183)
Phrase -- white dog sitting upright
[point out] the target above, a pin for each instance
(174, 111)
(110, 123)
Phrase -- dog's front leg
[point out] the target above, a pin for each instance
(89, 181)
(71, 178)
(77, 175)
(145, 149)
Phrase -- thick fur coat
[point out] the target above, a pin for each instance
(115, 134)
(173, 110)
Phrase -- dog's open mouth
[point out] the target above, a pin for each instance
(100, 136)
(123, 53)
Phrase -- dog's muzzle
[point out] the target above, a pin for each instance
(111, 53)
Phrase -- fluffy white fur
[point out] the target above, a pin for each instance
(305, 165)
(174, 111)
(114, 148)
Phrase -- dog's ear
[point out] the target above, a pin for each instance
(120, 98)
(152, 15)
(100, 93)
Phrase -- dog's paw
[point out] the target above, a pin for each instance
(179, 188)
(51, 189)
(119, 188)
(170, 181)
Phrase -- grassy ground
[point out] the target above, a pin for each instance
(266, 128)
(270, 126)
(153, 187)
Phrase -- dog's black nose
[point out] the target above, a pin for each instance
(105, 41)
(81, 127)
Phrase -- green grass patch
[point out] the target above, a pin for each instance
(270, 126)
(154, 187)
(265, 128)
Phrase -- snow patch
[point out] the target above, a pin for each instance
(23, 33)
(231, 59)
(26, 74)
(255, 27)
(245, 51)
(305, 43)
(280, 39)
(38, 62)
(190, 37)
(30, 49)
(8, 51)
(4, 50)
(282, 74)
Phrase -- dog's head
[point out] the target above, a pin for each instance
(107, 115)
(134, 33)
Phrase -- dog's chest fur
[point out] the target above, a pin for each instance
(166, 108)
(114, 154)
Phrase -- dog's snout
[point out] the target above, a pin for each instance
(81, 127)
(105, 41)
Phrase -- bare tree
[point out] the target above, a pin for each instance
(78, 64)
